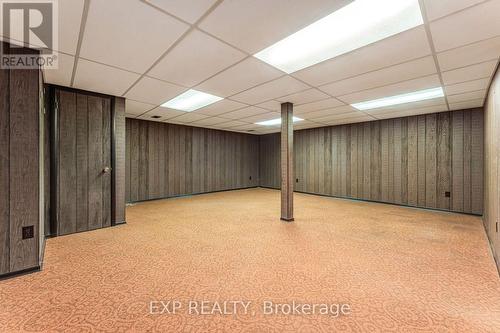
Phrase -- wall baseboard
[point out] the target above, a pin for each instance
(19, 273)
(375, 201)
(193, 194)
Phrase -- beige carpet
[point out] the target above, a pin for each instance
(398, 269)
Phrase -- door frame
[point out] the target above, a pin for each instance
(53, 109)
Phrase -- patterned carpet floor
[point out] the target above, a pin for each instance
(397, 269)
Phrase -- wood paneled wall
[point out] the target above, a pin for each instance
(492, 167)
(167, 160)
(410, 161)
(118, 107)
(19, 168)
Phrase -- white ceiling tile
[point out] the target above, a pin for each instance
(246, 74)
(137, 108)
(468, 86)
(437, 102)
(149, 90)
(271, 105)
(479, 71)
(262, 117)
(189, 117)
(305, 124)
(246, 127)
(468, 26)
(103, 79)
(319, 105)
(328, 112)
(197, 57)
(411, 112)
(467, 105)
(470, 54)
(174, 121)
(307, 96)
(269, 131)
(244, 113)
(189, 11)
(280, 87)
(209, 121)
(341, 116)
(405, 87)
(231, 124)
(408, 45)
(70, 19)
(439, 8)
(128, 34)
(223, 106)
(62, 74)
(349, 120)
(257, 24)
(465, 97)
(406, 71)
(164, 113)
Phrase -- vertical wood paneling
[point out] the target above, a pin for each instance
(4, 172)
(106, 160)
(404, 161)
(391, 160)
(82, 162)
(67, 163)
(421, 129)
(170, 160)
(134, 160)
(443, 160)
(24, 167)
(412, 161)
(397, 165)
(375, 181)
(120, 162)
(95, 145)
(321, 160)
(457, 171)
(477, 161)
(366, 161)
(467, 189)
(385, 160)
(492, 164)
(409, 161)
(354, 161)
(431, 161)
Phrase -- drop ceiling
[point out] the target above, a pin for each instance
(153, 50)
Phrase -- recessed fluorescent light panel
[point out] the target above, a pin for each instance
(276, 121)
(416, 96)
(191, 100)
(360, 23)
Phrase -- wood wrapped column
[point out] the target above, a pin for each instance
(287, 162)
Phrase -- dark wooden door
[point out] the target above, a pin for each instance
(84, 165)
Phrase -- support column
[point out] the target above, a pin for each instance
(287, 162)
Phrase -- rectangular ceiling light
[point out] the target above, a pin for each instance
(191, 100)
(360, 23)
(276, 121)
(416, 96)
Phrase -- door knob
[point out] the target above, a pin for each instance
(106, 170)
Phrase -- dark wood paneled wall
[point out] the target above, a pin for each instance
(492, 167)
(119, 160)
(410, 161)
(19, 168)
(84, 190)
(166, 160)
